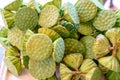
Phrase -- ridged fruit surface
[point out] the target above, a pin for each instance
(49, 16)
(51, 33)
(39, 47)
(105, 20)
(87, 10)
(15, 36)
(42, 69)
(58, 50)
(26, 18)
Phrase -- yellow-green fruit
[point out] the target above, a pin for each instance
(26, 18)
(48, 16)
(86, 9)
(85, 29)
(39, 47)
(73, 46)
(87, 65)
(42, 69)
(110, 62)
(105, 20)
(65, 72)
(73, 60)
(14, 6)
(50, 33)
(15, 37)
(13, 64)
(58, 50)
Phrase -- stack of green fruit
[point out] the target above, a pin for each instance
(62, 42)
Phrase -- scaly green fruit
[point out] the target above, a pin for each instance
(88, 42)
(105, 20)
(65, 72)
(42, 69)
(26, 18)
(51, 33)
(87, 10)
(39, 47)
(15, 36)
(58, 50)
(110, 62)
(49, 16)
(70, 13)
(94, 74)
(14, 6)
(73, 46)
(62, 31)
(101, 46)
(73, 60)
(13, 64)
(87, 65)
(85, 29)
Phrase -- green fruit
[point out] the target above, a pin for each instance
(51, 33)
(105, 20)
(57, 3)
(34, 5)
(88, 42)
(101, 46)
(24, 41)
(42, 69)
(73, 60)
(52, 78)
(15, 36)
(113, 35)
(111, 75)
(9, 17)
(3, 32)
(12, 51)
(85, 29)
(26, 18)
(110, 62)
(48, 16)
(117, 14)
(94, 74)
(73, 46)
(87, 10)
(13, 64)
(76, 77)
(87, 65)
(39, 47)
(62, 31)
(14, 6)
(70, 13)
(58, 50)
(65, 73)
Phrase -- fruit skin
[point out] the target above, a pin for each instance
(50, 33)
(112, 65)
(13, 64)
(26, 18)
(39, 47)
(88, 42)
(49, 16)
(14, 6)
(15, 36)
(117, 14)
(73, 46)
(65, 72)
(70, 13)
(58, 50)
(73, 60)
(42, 69)
(86, 9)
(105, 20)
(101, 46)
